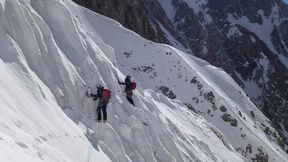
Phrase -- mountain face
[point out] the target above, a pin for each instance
(54, 52)
(248, 39)
(133, 14)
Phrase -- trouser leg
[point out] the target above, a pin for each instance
(130, 100)
(99, 114)
(104, 112)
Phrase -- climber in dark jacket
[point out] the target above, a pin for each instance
(128, 89)
(102, 105)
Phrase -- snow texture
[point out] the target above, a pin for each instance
(52, 50)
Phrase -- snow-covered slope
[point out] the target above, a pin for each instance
(203, 88)
(51, 49)
(33, 126)
(247, 38)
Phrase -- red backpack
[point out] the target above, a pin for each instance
(133, 85)
(106, 95)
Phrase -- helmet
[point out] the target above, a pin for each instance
(128, 76)
(98, 86)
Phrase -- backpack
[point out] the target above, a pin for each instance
(106, 95)
(133, 85)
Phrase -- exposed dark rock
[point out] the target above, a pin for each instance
(223, 108)
(190, 107)
(239, 112)
(210, 98)
(228, 118)
(260, 156)
(167, 92)
(249, 149)
(252, 114)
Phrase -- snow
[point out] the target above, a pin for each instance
(253, 89)
(233, 32)
(199, 6)
(172, 40)
(174, 69)
(284, 60)
(33, 126)
(51, 51)
(263, 31)
(285, 1)
(264, 63)
(196, 5)
(169, 8)
(252, 39)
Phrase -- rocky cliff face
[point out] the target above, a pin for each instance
(248, 39)
(132, 13)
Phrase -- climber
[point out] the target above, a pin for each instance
(103, 95)
(129, 87)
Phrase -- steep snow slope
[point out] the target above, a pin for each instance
(43, 43)
(247, 38)
(203, 88)
(33, 126)
(50, 49)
